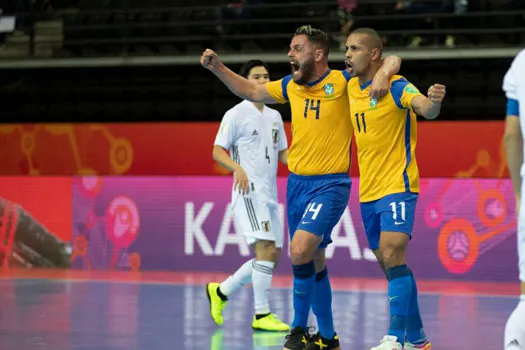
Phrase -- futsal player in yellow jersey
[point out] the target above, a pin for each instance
(319, 160)
(386, 134)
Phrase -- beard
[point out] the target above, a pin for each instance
(306, 72)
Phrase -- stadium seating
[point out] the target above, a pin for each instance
(135, 27)
(158, 46)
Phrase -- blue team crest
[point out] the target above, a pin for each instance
(328, 89)
(373, 102)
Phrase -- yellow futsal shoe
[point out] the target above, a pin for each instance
(270, 323)
(216, 303)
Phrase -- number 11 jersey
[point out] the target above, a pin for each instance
(386, 135)
(321, 126)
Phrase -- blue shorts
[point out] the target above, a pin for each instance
(393, 213)
(315, 203)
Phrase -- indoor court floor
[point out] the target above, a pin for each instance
(63, 310)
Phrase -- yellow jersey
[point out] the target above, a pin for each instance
(321, 126)
(386, 134)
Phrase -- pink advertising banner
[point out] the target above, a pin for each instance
(464, 228)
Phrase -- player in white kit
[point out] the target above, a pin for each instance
(514, 87)
(254, 135)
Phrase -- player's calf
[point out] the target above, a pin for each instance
(263, 266)
(322, 299)
(302, 249)
(400, 285)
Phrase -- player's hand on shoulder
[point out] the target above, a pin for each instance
(379, 87)
(210, 60)
(436, 93)
(240, 181)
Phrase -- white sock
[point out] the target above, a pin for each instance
(242, 276)
(515, 327)
(262, 282)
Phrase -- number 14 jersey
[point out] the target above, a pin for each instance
(321, 126)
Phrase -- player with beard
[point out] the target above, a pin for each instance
(319, 162)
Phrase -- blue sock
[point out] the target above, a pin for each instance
(399, 293)
(303, 291)
(414, 324)
(322, 304)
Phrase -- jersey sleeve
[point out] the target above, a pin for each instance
(403, 92)
(513, 107)
(510, 84)
(226, 135)
(278, 89)
(283, 141)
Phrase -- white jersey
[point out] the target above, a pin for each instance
(254, 139)
(514, 87)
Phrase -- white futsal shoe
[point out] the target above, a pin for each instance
(389, 342)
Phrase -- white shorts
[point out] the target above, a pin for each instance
(521, 241)
(258, 220)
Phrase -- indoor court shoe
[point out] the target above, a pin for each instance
(270, 323)
(317, 342)
(425, 346)
(297, 339)
(389, 342)
(216, 303)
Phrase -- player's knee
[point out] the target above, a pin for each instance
(392, 256)
(300, 254)
(319, 261)
(266, 250)
(277, 256)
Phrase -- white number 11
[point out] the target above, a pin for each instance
(394, 210)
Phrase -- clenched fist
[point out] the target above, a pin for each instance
(210, 60)
(436, 93)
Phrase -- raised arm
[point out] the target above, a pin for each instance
(240, 86)
(429, 107)
(389, 67)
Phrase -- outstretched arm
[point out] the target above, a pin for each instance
(240, 86)
(389, 67)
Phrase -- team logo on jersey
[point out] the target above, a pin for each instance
(373, 103)
(266, 226)
(275, 136)
(411, 89)
(328, 89)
